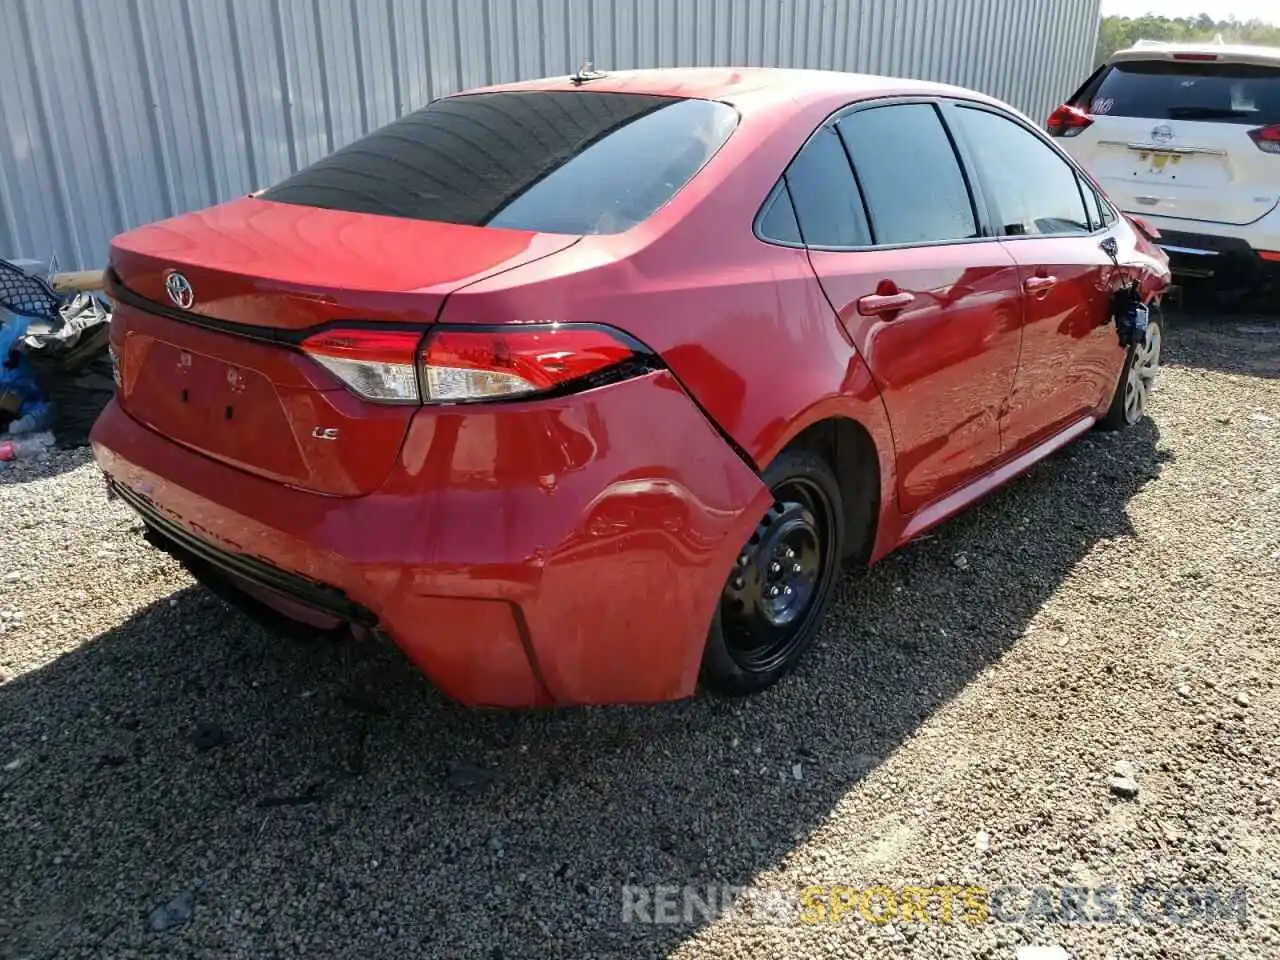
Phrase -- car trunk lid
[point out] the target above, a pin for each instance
(212, 360)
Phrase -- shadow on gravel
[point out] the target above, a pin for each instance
(318, 796)
(42, 466)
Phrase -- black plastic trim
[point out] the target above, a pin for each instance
(186, 547)
(116, 289)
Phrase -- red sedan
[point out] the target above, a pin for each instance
(581, 390)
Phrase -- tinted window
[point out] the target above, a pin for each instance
(1034, 189)
(1180, 90)
(825, 194)
(909, 174)
(778, 221)
(1108, 215)
(567, 162)
(1099, 214)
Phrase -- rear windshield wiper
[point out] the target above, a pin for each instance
(1206, 113)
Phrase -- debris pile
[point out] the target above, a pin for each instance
(55, 363)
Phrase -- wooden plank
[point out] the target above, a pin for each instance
(85, 280)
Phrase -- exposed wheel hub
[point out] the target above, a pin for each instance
(773, 583)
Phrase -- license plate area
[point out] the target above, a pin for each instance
(1159, 163)
(212, 390)
(225, 409)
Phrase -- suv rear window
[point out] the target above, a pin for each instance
(552, 162)
(1187, 90)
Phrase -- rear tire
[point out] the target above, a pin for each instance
(1137, 379)
(777, 593)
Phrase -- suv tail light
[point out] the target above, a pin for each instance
(1068, 121)
(1267, 139)
(464, 364)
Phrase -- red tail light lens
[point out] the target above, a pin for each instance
(459, 364)
(1146, 229)
(1267, 139)
(488, 363)
(1068, 121)
(375, 364)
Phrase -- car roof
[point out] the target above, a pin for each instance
(745, 86)
(1228, 52)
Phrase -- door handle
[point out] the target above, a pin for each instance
(875, 304)
(1039, 284)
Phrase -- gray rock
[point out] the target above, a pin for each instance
(469, 777)
(174, 913)
(1035, 952)
(1124, 787)
(206, 736)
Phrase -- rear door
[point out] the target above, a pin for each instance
(1050, 222)
(932, 304)
(1170, 137)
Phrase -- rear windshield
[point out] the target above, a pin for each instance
(555, 162)
(1185, 90)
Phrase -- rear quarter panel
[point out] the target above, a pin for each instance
(743, 324)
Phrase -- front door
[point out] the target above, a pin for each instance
(1069, 353)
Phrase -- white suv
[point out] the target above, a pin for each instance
(1187, 138)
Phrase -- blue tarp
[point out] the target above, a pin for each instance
(15, 371)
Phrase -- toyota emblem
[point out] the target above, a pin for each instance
(179, 289)
(1162, 133)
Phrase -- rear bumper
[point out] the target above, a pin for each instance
(566, 551)
(1230, 254)
(319, 602)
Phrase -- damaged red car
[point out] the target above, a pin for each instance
(582, 390)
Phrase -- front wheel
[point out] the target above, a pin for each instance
(1142, 366)
(775, 596)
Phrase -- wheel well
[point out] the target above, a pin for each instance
(851, 454)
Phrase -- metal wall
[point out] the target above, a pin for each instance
(117, 112)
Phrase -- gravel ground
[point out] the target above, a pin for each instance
(175, 782)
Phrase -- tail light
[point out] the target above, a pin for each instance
(375, 364)
(1144, 228)
(1068, 121)
(1267, 139)
(464, 364)
(493, 362)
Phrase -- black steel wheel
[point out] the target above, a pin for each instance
(777, 592)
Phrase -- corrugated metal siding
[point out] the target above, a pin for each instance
(117, 112)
